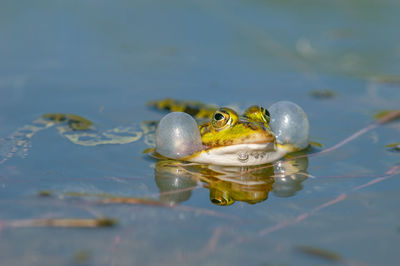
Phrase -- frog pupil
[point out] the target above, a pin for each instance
(218, 116)
(267, 113)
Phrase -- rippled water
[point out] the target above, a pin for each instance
(105, 60)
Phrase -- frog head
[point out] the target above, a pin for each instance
(230, 139)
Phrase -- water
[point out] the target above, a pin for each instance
(105, 61)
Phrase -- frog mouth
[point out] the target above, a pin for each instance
(240, 154)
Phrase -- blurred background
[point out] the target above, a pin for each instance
(104, 60)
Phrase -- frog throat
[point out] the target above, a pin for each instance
(241, 154)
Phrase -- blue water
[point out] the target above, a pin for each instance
(105, 60)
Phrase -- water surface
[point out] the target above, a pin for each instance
(104, 61)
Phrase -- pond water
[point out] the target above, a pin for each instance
(105, 60)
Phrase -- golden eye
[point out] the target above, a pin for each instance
(220, 119)
(257, 113)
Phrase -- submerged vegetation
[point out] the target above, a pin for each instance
(320, 253)
(74, 122)
(392, 114)
(323, 94)
(394, 146)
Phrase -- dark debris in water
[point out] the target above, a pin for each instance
(394, 146)
(392, 80)
(313, 147)
(148, 150)
(316, 144)
(82, 257)
(66, 222)
(320, 253)
(87, 194)
(106, 222)
(383, 113)
(130, 200)
(107, 198)
(273, 264)
(48, 193)
(74, 122)
(323, 94)
(44, 193)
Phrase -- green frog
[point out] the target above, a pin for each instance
(227, 138)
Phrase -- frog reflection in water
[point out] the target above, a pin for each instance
(228, 184)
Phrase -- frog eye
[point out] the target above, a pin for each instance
(220, 119)
(265, 114)
(257, 113)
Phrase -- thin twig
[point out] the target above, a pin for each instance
(390, 173)
(61, 222)
(213, 241)
(138, 201)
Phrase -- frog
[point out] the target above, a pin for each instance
(227, 138)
